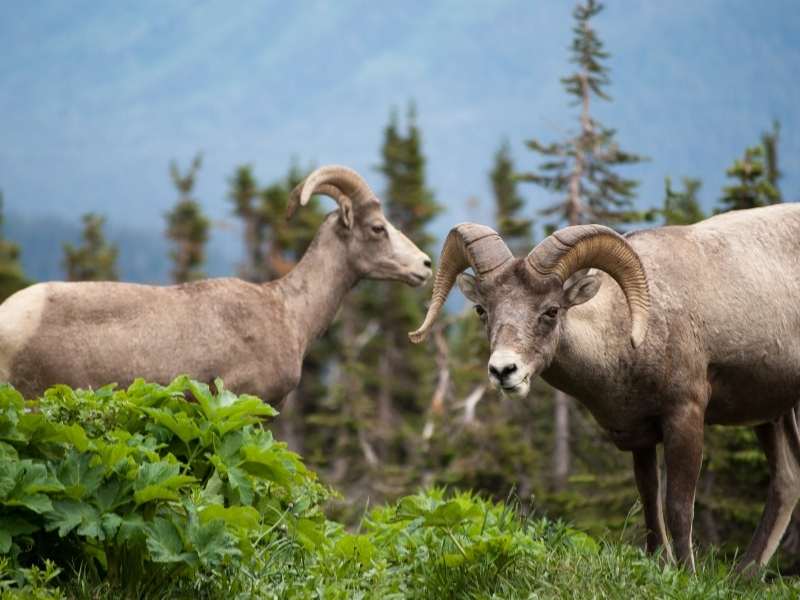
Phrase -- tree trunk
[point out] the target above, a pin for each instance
(561, 450)
(385, 408)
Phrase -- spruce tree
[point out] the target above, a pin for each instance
(12, 277)
(756, 176)
(187, 227)
(770, 141)
(682, 207)
(94, 259)
(410, 206)
(385, 382)
(581, 170)
(513, 228)
(244, 196)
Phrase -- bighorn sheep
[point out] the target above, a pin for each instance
(253, 336)
(701, 326)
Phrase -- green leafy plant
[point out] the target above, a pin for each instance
(173, 481)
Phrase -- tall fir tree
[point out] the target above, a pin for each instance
(582, 170)
(384, 382)
(514, 229)
(12, 278)
(410, 206)
(187, 227)
(95, 259)
(756, 176)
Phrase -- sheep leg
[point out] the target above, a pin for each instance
(683, 456)
(645, 468)
(781, 444)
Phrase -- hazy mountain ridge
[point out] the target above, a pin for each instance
(143, 253)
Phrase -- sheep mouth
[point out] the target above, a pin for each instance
(417, 279)
(521, 383)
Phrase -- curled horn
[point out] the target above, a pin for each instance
(340, 183)
(593, 246)
(467, 245)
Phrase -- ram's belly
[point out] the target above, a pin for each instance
(748, 395)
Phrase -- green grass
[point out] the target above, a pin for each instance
(140, 493)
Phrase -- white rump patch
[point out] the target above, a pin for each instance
(20, 316)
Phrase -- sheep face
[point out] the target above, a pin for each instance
(524, 315)
(380, 251)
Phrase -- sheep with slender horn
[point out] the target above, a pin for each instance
(253, 336)
(656, 333)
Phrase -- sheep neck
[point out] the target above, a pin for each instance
(315, 288)
(594, 335)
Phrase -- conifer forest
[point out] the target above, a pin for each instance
(392, 469)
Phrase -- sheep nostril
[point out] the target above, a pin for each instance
(503, 372)
(509, 370)
(427, 263)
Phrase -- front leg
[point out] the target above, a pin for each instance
(645, 469)
(683, 455)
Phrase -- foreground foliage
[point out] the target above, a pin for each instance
(146, 493)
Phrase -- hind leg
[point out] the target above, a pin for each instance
(780, 442)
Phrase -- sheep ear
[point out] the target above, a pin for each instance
(468, 286)
(346, 213)
(581, 287)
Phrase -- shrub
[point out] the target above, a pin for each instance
(144, 487)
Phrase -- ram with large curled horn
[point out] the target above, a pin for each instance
(657, 333)
(253, 336)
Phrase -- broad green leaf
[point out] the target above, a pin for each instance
(11, 526)
(38, 503)
(73, 435)
(245, 517)
(239, 482)
(355, 547)
(78, 476)
(212, 543)
(179, 423)
(70, 514)
(310, 533)
(266, 464)
(165, 544)
(159, 480)
(8, 452)
(132, 528)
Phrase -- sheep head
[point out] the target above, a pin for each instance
(375, 247)
(523, 301)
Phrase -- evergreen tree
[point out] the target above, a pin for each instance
(95, 259)
(12, 278)
(513, 228)
(769, 141)
(756, 175)
(581, 169)
(286, 241)
(410, 206)
(682, 207)
(244, 195)
(385, 383)
(187, 227)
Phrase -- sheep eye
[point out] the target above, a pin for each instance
(378, 229)
(480, 311)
